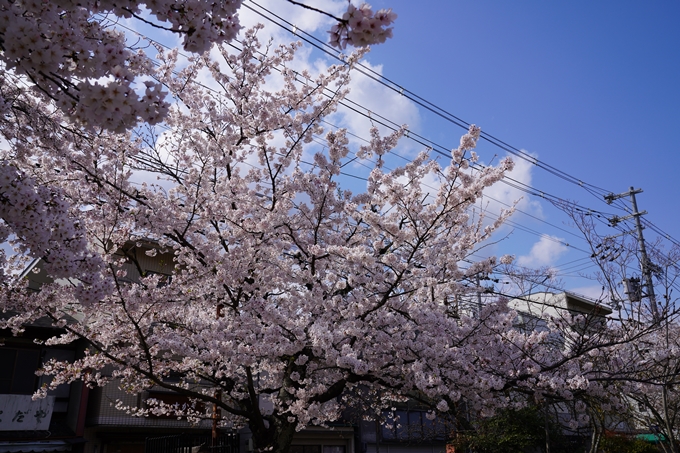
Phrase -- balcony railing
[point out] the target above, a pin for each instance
(192, 443)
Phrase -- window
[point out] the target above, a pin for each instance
(411, 425)
(174, 399)
(17, 373)
(317, 449)
(334, 449)
(305, 449)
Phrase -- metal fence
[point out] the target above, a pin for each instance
(192, 443)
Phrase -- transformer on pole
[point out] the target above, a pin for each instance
(645, 266)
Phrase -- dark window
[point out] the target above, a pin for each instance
(174, 399)
(412, 425)
(334, 449)
(317, 449)
(17, 370)
(415, 424)
(305, 449)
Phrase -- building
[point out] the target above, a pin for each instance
(551, 304)
(535, 310)
(55, 423)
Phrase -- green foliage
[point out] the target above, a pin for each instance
(510, 432)
(623, 444)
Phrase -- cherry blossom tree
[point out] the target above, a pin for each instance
(288, 297)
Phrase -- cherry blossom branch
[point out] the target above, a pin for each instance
(311, 8)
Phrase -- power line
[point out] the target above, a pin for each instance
(596, 191)
(592, 189)
(391, 125)
(358, 108)
(441, 112)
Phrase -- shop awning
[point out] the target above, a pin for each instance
(652, 438)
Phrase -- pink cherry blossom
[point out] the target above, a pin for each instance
(211, 249)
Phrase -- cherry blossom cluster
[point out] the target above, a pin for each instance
(362, 27)
(63, 50)
(41, 221)
(72, 53)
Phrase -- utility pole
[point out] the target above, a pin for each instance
(644, 261)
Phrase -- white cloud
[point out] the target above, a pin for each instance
(374, 100)
(502, 195)
(303, 19)
(544, 252)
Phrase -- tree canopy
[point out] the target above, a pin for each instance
(200, 240)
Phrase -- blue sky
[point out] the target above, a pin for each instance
(588, 82)
(588, 88)
(591, 88)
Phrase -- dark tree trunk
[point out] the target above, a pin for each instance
(276, 436)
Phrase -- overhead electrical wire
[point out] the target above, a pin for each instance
(395, 87)
(660, 232)
(547, 283)
(391, 125)
(558, 202)
(312, 40)
(594, 190)
(457, 121)
(431, 145)
(385, 122)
